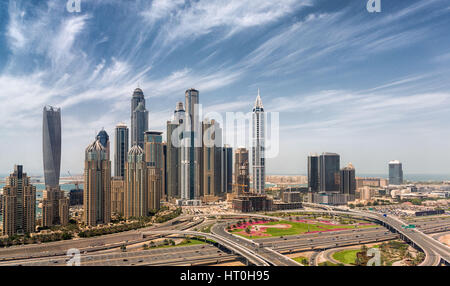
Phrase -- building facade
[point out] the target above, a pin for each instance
(313, 173)
(51, 145)
(139, 118)
(154, 160)
(118, 196)
(55, 205)
(173, 158)
(241, 171)
(97, 185)
(136, 187)
(19, 204)
(395, 173)
(348, 180)
(76, 197)
(103, 138)
(329, 172)
(191, 155)
(252, 203)
(212, 159)
(258, 136)
(120, 149)
(227, 169)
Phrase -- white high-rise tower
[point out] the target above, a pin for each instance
(258, 135)
(191, 148)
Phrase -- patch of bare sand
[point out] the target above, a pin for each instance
(233, 263)
(298, 254)
(445, 239)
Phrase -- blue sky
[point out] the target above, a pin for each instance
(372, 87)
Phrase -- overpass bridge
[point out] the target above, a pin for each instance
(227, 243)
(435, 251)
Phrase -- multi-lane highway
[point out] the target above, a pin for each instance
(252, 257)
(266, 251)
(183, 255)
(272, 257)
(435, 251)
(89, 245)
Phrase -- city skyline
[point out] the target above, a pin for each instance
(235, 133)
(325, 90)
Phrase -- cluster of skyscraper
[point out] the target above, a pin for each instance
(19, 197)
(193, 165)
(136, 188)
(325, 178)
(199, 165)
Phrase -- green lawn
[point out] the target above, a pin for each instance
(302, 260)
(299, 228)
(346, 256)
(183, 243)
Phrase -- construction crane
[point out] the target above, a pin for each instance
(239, 188)
(74, 181)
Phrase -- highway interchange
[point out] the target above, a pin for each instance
(105, 250)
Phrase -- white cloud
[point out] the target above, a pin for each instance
(161, 9)
(60, 50)
(346, 111)
(197, 18)
(15, 30)
(93, 83)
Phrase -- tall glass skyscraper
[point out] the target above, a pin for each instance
(97, 185)
(139, 118)
(258, 160)
(191, 148)
(313, 173)
(212, 176)
(227, 168)
(395, 173)
(329, 172)
(120, 149)
(51, 145)
(55, 205)
(241, 171)
(154, 160)
(173, 159)
(348, 180)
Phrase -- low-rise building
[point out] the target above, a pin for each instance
(252, 203)
(291, 197)
(332, 199)
(76, 197)
(280, 206)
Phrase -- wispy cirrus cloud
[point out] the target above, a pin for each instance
(353, 112)
(327, 68)
(191, 19)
